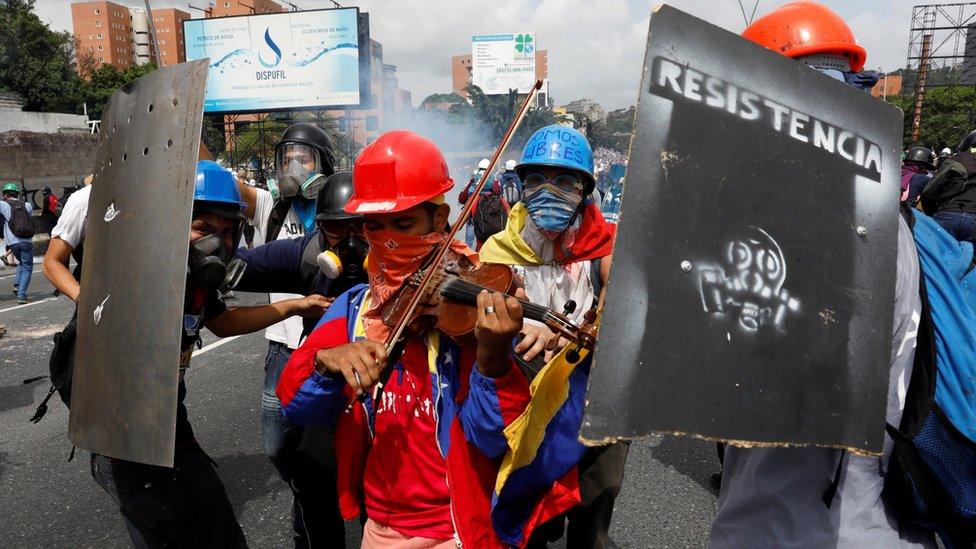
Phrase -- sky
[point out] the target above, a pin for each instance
(596, 47)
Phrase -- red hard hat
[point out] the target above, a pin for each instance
(806, 28)
(396, 172)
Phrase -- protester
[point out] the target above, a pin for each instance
(326, 261)
(950, 196)
(419, 452)
(510, 184)
(558, 241)
(467, 193)
(303, 160)
(916, 171)
(18, 232)
(943, 154)
(49, 210)
(816, 497)
(489, 211)
(186, 505)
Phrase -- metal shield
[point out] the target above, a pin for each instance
(127, 357)
(752, 286)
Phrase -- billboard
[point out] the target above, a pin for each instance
(500, 62)
(280, 61)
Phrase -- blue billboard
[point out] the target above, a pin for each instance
(279, 61)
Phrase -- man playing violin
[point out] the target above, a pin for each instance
(418, 448)
(557, 239)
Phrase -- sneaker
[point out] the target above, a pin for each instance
(22, 300)
(4, 259)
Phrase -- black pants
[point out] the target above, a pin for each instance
(185, 506)
(601, 473)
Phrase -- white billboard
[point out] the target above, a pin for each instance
(500, 62)
(280, 61)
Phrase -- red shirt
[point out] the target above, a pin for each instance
(406, 477)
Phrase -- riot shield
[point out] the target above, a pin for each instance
(127, 357)
(752, 286)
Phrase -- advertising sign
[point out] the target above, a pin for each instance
(500, 62)
(289, 60)
(753, 281)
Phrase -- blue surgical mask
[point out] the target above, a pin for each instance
(551, 208)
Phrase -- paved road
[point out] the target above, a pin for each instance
(47, 501)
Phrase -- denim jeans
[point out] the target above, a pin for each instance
(185, 506)
(24, 252)
(961, 225)
(469, 236)
(305, 459)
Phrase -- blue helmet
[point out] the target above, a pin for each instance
(216, 189)
(559, 147)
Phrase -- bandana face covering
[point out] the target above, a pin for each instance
(552, 209)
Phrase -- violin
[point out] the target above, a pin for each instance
(449, 300)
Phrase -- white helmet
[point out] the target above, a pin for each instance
(947, 151)
(510, 164)
(483, 165)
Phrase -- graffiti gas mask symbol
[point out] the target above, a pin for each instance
(274, 52)
(750, 284)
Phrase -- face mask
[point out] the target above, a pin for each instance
(551, 208)
(212, 266)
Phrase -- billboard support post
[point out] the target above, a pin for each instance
(152, 29)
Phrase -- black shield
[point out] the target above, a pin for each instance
(130, 309)
(752, 286)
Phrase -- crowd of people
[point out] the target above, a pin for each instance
(412, 434)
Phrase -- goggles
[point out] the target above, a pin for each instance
(339, 229)
(565, 182)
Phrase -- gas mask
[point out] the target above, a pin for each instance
(346, 260)
(293, 177)
(212, 266)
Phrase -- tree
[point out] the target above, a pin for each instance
(497, 111)
(103, 81)
(36, 62)
(947, 115)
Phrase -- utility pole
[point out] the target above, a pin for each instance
(152, 30)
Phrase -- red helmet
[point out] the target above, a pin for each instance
(396, 172)
(806, 28)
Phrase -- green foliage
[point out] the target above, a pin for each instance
(441, 98)
(103, 81)
(614, 132)
(36, 62)
(947, 116)
(496, 112)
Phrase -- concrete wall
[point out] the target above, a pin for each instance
(42, 122)
(36, 160)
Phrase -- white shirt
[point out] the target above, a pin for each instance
(289, 331)
(71, 224)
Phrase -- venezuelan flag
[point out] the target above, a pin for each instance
(538, 478)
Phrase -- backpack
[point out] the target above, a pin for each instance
(953, 186)
(61, 366)
(489, 216)
(20, 222)
(931, 479)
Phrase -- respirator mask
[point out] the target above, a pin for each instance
(212, 266)
(298, 172)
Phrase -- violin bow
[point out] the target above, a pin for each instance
(462, 218)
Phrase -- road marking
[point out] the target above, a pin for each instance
(213, 345)
(30, 304)
(36, 270)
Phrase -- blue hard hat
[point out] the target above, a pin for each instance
(216, 188)
(559, 147)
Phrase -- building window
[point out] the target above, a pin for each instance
(89, 37)
(98, 23)
(102, 59)
(99, 36)
(97, 11)
(100, 48)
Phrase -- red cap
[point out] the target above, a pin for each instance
(806, 28)
(396, 172)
